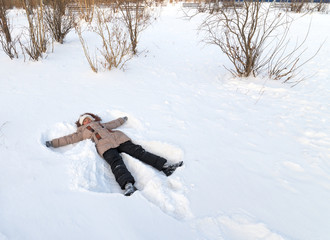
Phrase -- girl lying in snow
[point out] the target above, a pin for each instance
(110, 144)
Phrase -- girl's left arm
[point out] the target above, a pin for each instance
(114, 123)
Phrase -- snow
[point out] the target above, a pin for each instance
(256, 151)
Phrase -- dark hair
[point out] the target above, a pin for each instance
(97, 118)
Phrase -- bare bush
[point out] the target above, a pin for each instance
(7, 42)
(254, 38)
(285, 64)
(303, 6)
(58, 19)
(230, 4)
(18, 3)
(240, 33)
(137, 16)
(37, 37)
(116, 48)
(320, 6)
(115, 44)
(297, 6)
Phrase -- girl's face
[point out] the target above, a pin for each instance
(87, 121)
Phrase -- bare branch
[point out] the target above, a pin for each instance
(92, 62)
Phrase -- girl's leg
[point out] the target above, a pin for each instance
(118, 167)
(138, 152)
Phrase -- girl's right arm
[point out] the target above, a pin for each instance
(66, 140)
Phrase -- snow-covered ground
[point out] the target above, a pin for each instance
(256, 152)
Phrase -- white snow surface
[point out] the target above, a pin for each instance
(256, 152)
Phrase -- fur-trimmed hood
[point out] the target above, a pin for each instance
(96, 118)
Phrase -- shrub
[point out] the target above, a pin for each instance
(254, 38)
(37, 36)
(136, 16)
(7, 42)
(116, 48)
(58, 19)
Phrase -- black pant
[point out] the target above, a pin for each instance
(118, 166)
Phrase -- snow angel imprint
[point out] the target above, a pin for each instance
(109, 144)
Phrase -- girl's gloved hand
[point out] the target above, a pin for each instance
(49, 144)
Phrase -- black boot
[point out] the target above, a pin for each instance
(168, 169)
(129, 189)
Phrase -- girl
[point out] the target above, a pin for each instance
(109, 144)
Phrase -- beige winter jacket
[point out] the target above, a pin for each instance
(100, 133)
